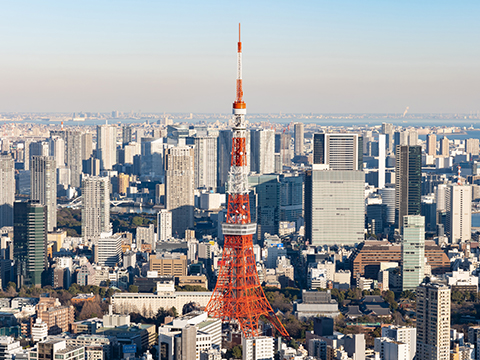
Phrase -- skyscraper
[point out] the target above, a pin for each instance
(107, 146)
(29, 242)
(338, 151)
(7, 190)
(408, 181)
(381, 160)
(262, 145)
(57, 150)
(96, 207)
(299, 138)
(413, 251)
(433, 322)
(282, 147)
(387, 129)
(472, 146)
(431, 144)
(459, 213)
(444, 147)
(87, 145)
(164, 225)
(179, 190)
(44, 186)
(205, 162)
(334, 207)
(74, 155)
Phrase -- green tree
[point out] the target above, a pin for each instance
(237, 352)
(133, 289)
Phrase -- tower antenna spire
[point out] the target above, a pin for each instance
(238, 295)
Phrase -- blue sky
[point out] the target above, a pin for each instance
(311, 56)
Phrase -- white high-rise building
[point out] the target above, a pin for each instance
(179, 190)
(403, 334)
(74, 156)
(260, 347)
(441, 196)
(7, 190)
(96, 207)
(164, 225)
(107, 146)
(205, 162)
(43, 186)
(262, 146)
(108, 250)
(433, 322)
(459, 213)
(338, 151)
(57, 150)
(299, 138)
(381, 160)
(390, 349)
(413, 251)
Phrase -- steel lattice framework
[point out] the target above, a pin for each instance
(238, 295)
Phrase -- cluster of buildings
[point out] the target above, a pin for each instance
(336, 208)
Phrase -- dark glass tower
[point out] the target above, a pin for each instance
(29, 242)
(408, 182)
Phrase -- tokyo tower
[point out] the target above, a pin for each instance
(238, 296)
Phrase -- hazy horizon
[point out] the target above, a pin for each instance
(371, 57)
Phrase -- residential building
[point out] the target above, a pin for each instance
(164, 225)
(403, 334)
(7, 190)
(96, 207)
(299, 138)
(472, 147)
(179, 190)
(408, 181)
(259, 347)
(262, 151)
(146, 235)
(205, 162)
(57, 317)
(108, 250)
(44, 186)
(444, 147)
(431, 144)
(390, 349)
(459, 213)
(29, 242)
(433, 322)
(107, 146)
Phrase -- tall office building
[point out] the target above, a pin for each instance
(472, 146)
(433, 322)
(152, 157)
(44, 186)
(282, 147)
(107, 250)
(403, 334)
(299, 138)
(387, 129)
(57, 150)
(107, 146)
(74, 156)
(291, 197)
(441, 191)
(408, 181)
(338, 151)
(444, 147)
(39, 148)
(334, 207)
(29, 242)
(96, 207)
(381, 160)
(262, 145)
(205, 162)
(413, 251)
(459, 213)
(431, 144)
(267, 192)
(127, 135)
(87, 145)
(164, 225)
(7, 190)
(179, 190)
(388, 199)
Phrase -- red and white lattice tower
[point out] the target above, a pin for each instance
(238, 296)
